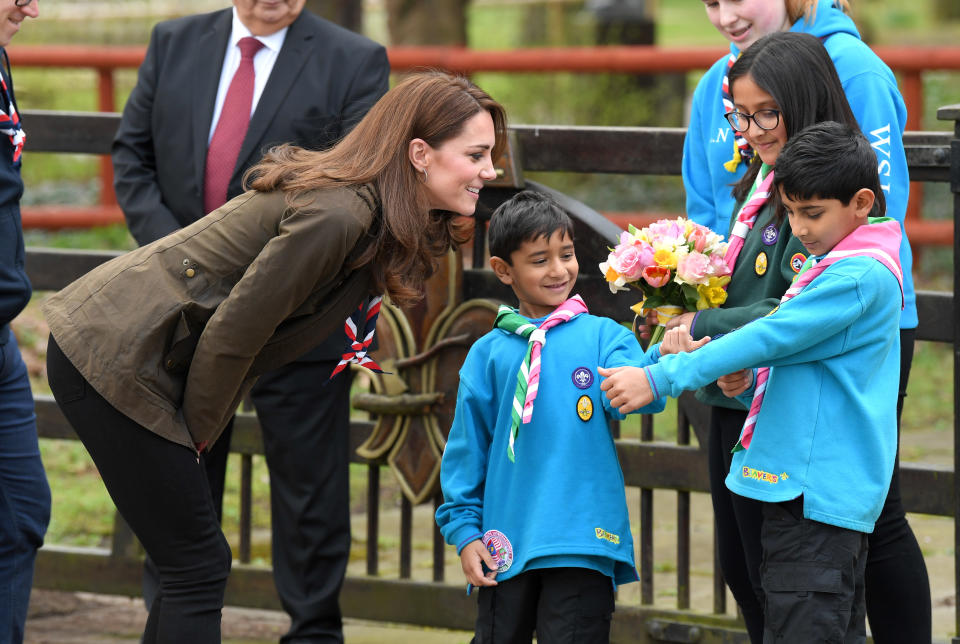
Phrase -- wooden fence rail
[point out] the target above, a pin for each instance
(647, 465)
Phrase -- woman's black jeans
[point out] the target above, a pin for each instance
(160, 488)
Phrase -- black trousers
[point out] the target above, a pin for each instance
(160, 488)
(897, 586)
(563, 606)
(812, 577)
(305, 419)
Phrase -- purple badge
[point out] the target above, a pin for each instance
(582, 377)
(770, 235)
(499, 548)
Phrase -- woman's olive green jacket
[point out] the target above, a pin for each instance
(175, 333)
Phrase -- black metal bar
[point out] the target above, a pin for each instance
(373, 518)
(438, 544)
(683, 524)
(646, 524)
(246, 505)
(406, 537)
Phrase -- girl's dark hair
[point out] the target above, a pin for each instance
(433, 106)
(524, 217)
(796, 70)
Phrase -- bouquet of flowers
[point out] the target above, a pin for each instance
(677, 264)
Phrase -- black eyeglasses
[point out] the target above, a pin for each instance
(765, 119)
(22, 3)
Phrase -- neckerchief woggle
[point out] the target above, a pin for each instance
(528, 378)
(852, 245)
(360, 329)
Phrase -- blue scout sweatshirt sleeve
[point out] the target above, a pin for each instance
(622, 349)
(464, 465)
(807, 328)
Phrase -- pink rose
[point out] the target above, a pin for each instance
(665, 229)
(693, 268)
(626, 261)
(718, 266)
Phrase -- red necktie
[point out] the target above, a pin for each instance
(231, 128)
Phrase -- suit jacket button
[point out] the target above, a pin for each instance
(190, 272)
(170, 364)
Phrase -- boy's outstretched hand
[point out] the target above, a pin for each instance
(626, 387)
(679, 340)
(470, 560)
(734, 384)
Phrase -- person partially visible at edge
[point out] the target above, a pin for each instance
(187, 136)
(150, 353)
(24, 491)
(826, 359)
(715, 158)
(535, 502)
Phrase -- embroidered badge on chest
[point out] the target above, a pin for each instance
(582, 377)
(585, 408)
(499, 548)
(770, 235)
(760, 264)
(796, 262)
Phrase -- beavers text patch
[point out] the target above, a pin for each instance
(607, 536)
(760, 475)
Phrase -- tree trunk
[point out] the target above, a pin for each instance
(427, 22)
(346, 13)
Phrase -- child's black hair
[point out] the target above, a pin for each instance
(829, 160)
(524, 217)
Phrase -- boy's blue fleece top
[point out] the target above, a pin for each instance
(827, 428)
(876, 102)
(562, 503)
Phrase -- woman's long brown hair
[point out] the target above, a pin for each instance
(433, 106)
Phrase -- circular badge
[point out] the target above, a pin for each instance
(499, 548)
(582, 377)
(585, 408)
(770, 235)
(796, 262)
(760, 263)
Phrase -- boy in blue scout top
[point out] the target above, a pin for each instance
(533, 492)
(820, 438)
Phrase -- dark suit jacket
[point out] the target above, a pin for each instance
(324, 80)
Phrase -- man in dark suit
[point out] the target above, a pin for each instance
(305, 81)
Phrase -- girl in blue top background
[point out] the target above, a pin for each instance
(898, 596)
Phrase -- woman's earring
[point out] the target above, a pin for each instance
(424, 171)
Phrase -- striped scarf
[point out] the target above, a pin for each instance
(859, 245)
(741, 149)
(747, 216)
(360, 336)
(10, 123)
(528, 378)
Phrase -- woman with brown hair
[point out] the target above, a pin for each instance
(150, 353)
